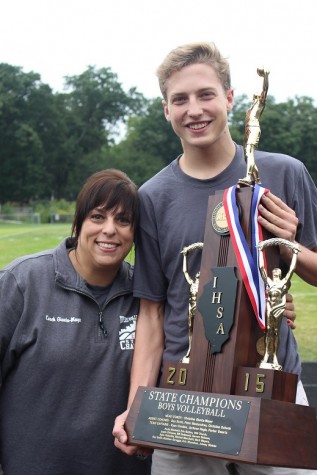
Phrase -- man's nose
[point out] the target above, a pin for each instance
(194, 108)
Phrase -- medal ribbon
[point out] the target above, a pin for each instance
(247, 259)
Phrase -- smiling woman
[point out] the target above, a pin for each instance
(67, 326)
(103, 227)
(106, 238)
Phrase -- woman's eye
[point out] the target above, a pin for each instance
(97, 217)
(123, 219)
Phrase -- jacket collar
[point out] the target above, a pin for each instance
(66, 275)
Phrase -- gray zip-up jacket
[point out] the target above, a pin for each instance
(65, 365)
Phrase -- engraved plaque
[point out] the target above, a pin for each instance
(208, 422)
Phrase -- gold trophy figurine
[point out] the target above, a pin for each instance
(253, 131)
(193, 291)
(277, 288)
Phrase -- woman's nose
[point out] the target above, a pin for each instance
(109, 226)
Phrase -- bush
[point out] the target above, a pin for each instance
(55, 211)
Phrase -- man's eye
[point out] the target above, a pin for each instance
(179, 100)
(207, 95)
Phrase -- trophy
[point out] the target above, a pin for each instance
(193, 291)
(253, 130)
(277, 288)
(229, 397)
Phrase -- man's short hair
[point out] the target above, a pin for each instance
(194, 53)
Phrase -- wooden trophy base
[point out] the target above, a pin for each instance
(266, 383)
(235, 428)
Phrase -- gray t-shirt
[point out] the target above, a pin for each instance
(173, 215)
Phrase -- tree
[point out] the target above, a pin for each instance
(149, 145)
(99, 104)
(20, 145)
(291, 128)
(95, 106)
(288, 127)
(51, 142)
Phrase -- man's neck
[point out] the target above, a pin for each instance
(204, 163)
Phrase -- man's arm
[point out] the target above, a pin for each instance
(280, 220)
(149, 346)
(147, 358)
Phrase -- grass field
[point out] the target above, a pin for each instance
(18, 240)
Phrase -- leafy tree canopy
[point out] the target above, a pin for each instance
(51, 142)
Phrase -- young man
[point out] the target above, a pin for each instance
(197, 96)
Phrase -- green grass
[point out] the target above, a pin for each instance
(18, 240)
(305, 299)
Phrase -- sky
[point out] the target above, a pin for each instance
(62, 37)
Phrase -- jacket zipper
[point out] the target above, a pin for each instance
(101, 324)
(104, 331)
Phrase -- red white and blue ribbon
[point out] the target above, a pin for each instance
(247, 258)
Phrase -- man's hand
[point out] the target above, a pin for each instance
(277, 218)
(121, 439)
(289, 311)
(280, 220)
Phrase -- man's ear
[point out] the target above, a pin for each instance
(166, 110)
(230, 100)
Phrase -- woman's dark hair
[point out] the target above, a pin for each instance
(108, 189)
